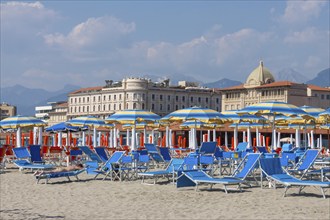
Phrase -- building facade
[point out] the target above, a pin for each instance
(7, 110)
(59, 114)
(140, 93)
(261, 86)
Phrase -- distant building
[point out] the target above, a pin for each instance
(42, 112)
(7, 110)
(261, 86)
(140, 93)
(59, 113)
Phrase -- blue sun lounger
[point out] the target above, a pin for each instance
(67, 174)
(90, 154)
(271, 168)
(197, 177)
(305, 162)
(170, 171)
(23, 160)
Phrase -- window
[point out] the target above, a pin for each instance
(168, 107)
(134, 105)
(99, 98)
(119, 96)
(153, 96)
(87, 99)
(176, 107)
(168, 97)
(99, 108)
(104, 107)
(191, 99)
(127, 95)
(94, 107)
(328, 96)
(93, 98)
(161, 97)
(109, 107)
(199, 99)
(183, 107)
(176, 98)
(79, 100)
(322, 96)
(126, 105)
(183, 98)
(142, 106)
(114, 106)
(134, 96)
(161, 107)
(153, 107)
(217, 100)
(206, 100)
(104, 97)
(84, 100)
(75, 100)
(119, 106)
(109, 97)
(87, 108)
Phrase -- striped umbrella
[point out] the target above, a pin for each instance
(272, 109)
(313, 111)
(241, 119)
(325, 119)
(18, 122)
(133, 117)
(90, 122)
(197, 114)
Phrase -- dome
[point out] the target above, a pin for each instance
(259, 76)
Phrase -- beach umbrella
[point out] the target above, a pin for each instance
(240, 119)
(133, 117)
(90, 122)
(273, 109)
(64, 127)
(197, 114)
(313, 111)
(18, 122)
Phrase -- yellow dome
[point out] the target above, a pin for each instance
(259, 76)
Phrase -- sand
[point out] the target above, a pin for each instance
(22, 198)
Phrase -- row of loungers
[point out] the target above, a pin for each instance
(271, 169)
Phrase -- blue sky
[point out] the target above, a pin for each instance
(48, 44)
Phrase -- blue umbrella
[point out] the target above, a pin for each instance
(64, 127)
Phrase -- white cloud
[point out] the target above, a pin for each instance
(105, 29)
(301, 11)
(308, 35)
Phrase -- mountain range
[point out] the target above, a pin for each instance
(26, 98)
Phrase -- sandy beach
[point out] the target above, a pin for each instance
(22, 198)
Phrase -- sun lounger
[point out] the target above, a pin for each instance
(170, 171)
(197, 177)
(90, 154)
(271, 168)
(23, 160)
(67, 174)
(305, 162)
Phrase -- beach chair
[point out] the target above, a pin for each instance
(108, 168)
(48, 176)
(208, 148)
(170, 171)
(305, 162)
(36, 156)
(90, 154)
(102, 153)
(271, 168)
(155, 154)
(23, 160)
(165, 153)
(195, 178)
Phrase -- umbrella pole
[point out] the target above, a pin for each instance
(18, 137)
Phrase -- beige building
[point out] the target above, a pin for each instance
(7, 110)
(261, 86)
(140, 93)
(58, 114)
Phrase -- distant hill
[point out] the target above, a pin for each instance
(25, 99)
(222, 83)
(289, 74)
(322, 79)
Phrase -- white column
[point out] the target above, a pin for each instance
(209, 135)
(18, 137)
(133, 142)
(257, 137)
(249, 137)
(40, 136)
(127, 137)
(94, 137)
(226, 139)
(35, 130)
(279, 139)
(312, 139)
(166, 137)
(308, 140)
(152, 136)
(235, 137)
(321, 144)
(111, 138)
(214, 135)
(59, 141)
(297, 138)
(83, 141)
(99, 139)
(244, 137)
(291, 139)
